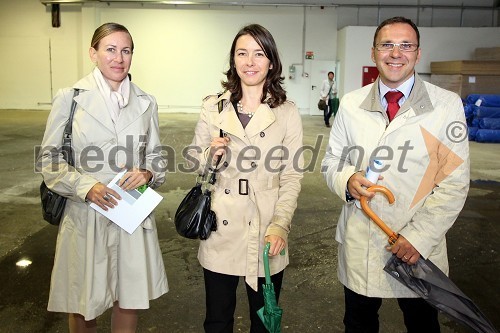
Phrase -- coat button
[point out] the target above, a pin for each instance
(225, 222)
(225, 164)
(227, 191)
(262, 134)
(253, 164)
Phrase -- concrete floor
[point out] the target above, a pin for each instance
(312, 298)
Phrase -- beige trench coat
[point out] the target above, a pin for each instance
(426, 151)
(96, 262)
(257, 187)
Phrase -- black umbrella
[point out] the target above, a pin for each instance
(428, 281)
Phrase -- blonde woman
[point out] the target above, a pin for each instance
(97, 264)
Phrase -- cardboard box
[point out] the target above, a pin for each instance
(487, 53)
(469, 67)
(465, 85)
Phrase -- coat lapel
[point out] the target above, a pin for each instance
(262, 119)
(227, 120)
(419, 98)
(91, 101)
(372, 100)
(136, 106)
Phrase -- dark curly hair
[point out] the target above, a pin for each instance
(274, 80)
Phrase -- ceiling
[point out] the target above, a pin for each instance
(479, 4)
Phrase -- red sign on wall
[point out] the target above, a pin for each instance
(370, 74)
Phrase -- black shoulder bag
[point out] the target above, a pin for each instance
(52, 203)
(194, 218)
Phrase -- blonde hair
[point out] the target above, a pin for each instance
(107, 29)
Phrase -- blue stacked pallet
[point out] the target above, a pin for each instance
(483, 117)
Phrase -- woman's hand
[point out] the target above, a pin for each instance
(277, 244)
(102, 196)
(134, 178)
(218, 147)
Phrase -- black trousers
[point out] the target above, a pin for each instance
(361, 314)
(220, 290)
(331, 108)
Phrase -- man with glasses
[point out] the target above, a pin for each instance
(417, 130)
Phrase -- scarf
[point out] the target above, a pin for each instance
(115, 100)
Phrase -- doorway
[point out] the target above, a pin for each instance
(319, 72)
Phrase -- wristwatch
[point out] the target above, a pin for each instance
(348, 196)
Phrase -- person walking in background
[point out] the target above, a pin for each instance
(329, 95)
(405, 122)
(258, 181)
(97, 264)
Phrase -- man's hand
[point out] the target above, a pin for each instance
(405, 251)
(357, 184)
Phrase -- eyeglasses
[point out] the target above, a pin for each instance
(403, 47)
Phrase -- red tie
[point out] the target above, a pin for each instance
(392, 98)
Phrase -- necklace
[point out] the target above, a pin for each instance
(240, 110)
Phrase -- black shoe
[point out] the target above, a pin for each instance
(328, 125)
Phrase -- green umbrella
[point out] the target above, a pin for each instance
(270, 313)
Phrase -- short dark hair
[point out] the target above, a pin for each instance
(393, 20)
(107, 29)
(274, 80)
(331, 73)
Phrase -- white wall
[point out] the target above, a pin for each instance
(437, 44)
(180, 53)
(26, 37)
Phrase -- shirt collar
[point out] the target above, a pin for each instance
(405, 88)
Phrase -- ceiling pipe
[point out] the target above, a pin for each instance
(242, 3)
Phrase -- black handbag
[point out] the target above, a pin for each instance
(194, 217)
(53, 204)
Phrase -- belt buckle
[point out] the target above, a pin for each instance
(243, 185)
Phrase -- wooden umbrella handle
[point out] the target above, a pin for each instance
(371, 214)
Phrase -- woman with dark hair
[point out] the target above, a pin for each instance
(258, 178)
(97, 264)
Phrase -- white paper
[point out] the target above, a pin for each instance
(133, 208)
